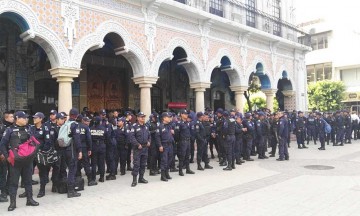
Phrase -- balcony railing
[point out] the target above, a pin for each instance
(242, 13)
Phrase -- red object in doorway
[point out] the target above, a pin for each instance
(177, 105)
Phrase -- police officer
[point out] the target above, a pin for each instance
(110, 149)
(8, 120)
(154, 153)
(261, 128)
(86, 146)
(120, 135)
(283, 134)
(249, 135)
(73, 153)
(128, 116)
(213, 141)
(42, 133)
(99, 136)
(140, 140)
(165, 143)
(310, 128)
(340, 128)
(229, 138)
(239, 136)
(183, 132)
(13, 136)
(348, 127)
(200, 135)
(328, 118)
(320, 130)
(274, 134)
(299, 124)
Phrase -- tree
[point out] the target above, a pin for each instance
(254, 86)
(257, 102)
(326, 95)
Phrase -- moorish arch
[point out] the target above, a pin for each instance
(127, 47)
(192, 65)
(285, 92)
(21, 14)
(258, 65)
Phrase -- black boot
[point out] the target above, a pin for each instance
(163, 177)
(3, 197)
(181, 172)
(101, 179)
(111, 177)
(188, 170)
(228, 168)
(41, 191)
(207, 166)
(153, 172)
(129, 168)
(142, 180)
(31, 202)
(233, 164)
(91, 182)
(303, 146)
(12, 205)
(167, 174)
(223, 163)
(54, 187)
(299, 146)
(71, 192)
(199, 166)
(134, 182)
(122, 170)
(23, 195)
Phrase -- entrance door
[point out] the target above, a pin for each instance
(156, 102)
(219, 100)
(106, 88)
(46, 95)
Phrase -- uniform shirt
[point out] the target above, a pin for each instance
(310, 122)
(13, 137)
(283, 128)
(120, 136)
(260, 128)
(300, 123)
(340, 123)
(85, 137)
(3, 127)
(52, 127)
(164, 134)
(200, 133)
(238, 131)
(207, 127)
(249, 125)
(140, 135)
(42, 134)
(183, 129)
(99, 136)
(229, 127)
(347, 121)
(320, 126)
(153, 126)
(75, 134)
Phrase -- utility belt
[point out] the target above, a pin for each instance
(185, 139)
(166, 143)
(99, 142)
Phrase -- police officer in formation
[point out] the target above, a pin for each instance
(110, 139)
(140, 139)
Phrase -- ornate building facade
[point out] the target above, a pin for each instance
(148, 54)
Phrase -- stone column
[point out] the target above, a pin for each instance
(239, 96)
(200, 88)
(65, 76)
(145, 84)
(269, 98)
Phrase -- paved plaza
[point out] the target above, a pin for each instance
(262, 187)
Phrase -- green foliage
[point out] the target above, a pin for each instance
(326, 95)
(257, 102)
(276, 105)
(254, 86)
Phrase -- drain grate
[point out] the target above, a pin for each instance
(319, 167)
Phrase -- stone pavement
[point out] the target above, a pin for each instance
(262, 187)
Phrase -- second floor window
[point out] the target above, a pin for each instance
(216, 7)
(319, 41)
(250, 13)
(277, 15)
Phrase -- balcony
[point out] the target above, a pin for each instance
(237, 11)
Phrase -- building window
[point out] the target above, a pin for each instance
(216, 7)
(319, 41)
(181, 1)
(277, 15)
(250, 13)
(21, 81)
(319, 72)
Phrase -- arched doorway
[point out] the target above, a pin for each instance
(105, 80)
(283, 94)
(173, 84)
(22, 64)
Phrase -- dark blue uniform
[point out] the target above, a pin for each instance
(154, 148)
(3, 166)
(128, 147)
(283, 134)
(166, 141)
(340, 127)
(121, 142)
(320, 130)
(213, 141)
(348, 128)
(239, 136)
(183, 131)
(261, 128)
(249, 136)
(310, 128)
(140, 136)
(229, 138)
(110, 150)
(86, 146)
(200, 135)
(300, 131)
(99, 136)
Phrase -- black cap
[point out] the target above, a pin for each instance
(39, 115)
(127, 113)
(60, 116)
(86, 119)
(199, 114)
(226, 113)
(103, 112)
(21, 114)
(300, 112)
(184, 111)
(220, 111)
(140, 114)
(54, 112)
(121, 119)
(166, 114)
(73, 111)
(98, 119)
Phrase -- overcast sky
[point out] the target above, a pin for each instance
(348, 10)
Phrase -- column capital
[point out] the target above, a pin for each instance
(269, 92)
(144, 81)
(200, 86)
(240, 89)
(288, 93)
(64, 74)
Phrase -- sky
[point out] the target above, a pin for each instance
(335, 10)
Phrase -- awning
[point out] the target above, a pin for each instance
(351, 97)
(177, 105)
